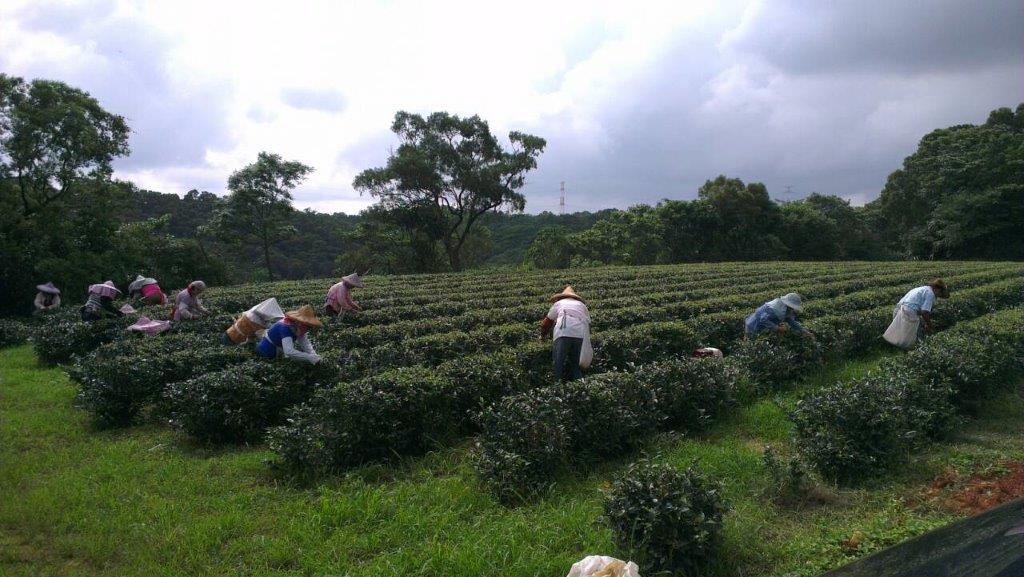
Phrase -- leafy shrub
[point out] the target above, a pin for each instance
(238, 404)
(13, 332)
(479, 380)
(643, 343)
(401, 412)
(773, 359)
(855, 430)
(666, 519)
(120, 379)
(691, 393)
(791, 481)
(62, 338)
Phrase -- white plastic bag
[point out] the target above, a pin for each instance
(902, 331)
(602, 566)
(586, 352)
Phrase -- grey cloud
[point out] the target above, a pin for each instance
(312, 99)
(814, 37)
(840, 132)
(172, 125)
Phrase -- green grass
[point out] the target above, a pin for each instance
(143, 501)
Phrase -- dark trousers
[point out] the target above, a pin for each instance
(567, 350)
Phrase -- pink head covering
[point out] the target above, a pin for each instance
(106, 289)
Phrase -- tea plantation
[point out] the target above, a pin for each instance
(433, 440)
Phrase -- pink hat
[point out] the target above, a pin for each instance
(106, 289)
(48, 288)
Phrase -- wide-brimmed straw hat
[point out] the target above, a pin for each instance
(48, 288)
(197, 285)
(353, 279)
(304, 315)
(793, 301)
(940, 288)
(567, 293)
(106, 289)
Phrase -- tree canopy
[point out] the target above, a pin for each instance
(448, 171)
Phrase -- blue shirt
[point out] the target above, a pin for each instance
(272, 340)
(767, 318)
(921, 299)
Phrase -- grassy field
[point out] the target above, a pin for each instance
(145, 501)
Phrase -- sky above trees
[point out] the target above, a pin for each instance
(638, 101)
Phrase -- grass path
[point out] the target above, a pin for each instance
(143, 501)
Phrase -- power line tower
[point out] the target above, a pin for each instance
(561, 202)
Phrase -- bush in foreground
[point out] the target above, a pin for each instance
(666, 519)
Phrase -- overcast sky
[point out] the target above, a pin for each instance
(638, 101)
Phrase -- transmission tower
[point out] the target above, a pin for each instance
(561, 202)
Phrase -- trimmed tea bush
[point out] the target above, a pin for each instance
(666, 519)
(239, 404)
(773, 359)
(13, 332)
(62, 338)
(400, 412)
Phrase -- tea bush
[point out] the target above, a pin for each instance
(666, 519)
(62, 338)
(13, 332)
(240, 403)
(401, 412)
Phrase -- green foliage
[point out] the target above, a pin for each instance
(13, 332)
(259, 208)
(449, 171)
(666, 519)
(960, 194)
(401, 412)
(855, 430)
(65, 337)
(773, 359)
(240, 403)
(791, 481)
(551, 249)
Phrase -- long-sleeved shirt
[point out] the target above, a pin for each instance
(921, 299)
(282, 336)
(41, 303)
(571, 318)
(769, 316)
(339, 297)
(186, 306)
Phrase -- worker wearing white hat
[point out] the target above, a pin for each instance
(777, 315)
(339, 296)
(47, 298)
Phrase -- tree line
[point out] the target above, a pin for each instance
(449, 198)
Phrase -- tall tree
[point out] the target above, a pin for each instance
(259, 208)
(450, 171)
(958, 195)
(54, 139)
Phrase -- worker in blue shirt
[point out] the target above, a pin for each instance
(289, 336)
(777, 315)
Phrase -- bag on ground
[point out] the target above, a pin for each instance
(602, 566)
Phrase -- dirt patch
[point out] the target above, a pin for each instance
(978, 492)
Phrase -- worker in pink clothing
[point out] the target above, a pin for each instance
(187, 304)
(339, 296)
(147, 290)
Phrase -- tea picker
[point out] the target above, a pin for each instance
(290, 336)
(569, 321)
(101, 302)
(47, 298)
(912, 317)
(187, 304)
(339, 296)
(148, 290)
(777, 315)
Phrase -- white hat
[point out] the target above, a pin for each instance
(353, 279)
(793, 301)
(48, 288)
(197, 285)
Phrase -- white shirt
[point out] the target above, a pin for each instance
(572, 319)
(921, 299)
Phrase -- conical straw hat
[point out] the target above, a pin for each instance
(567, 293)
(304, 315)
